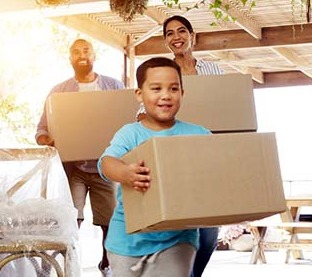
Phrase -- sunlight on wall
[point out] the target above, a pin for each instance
(287, 112)
(34, 57)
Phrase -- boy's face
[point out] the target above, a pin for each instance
(161, 95)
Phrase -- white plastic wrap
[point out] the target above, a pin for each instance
(36, 210)
(32, 173)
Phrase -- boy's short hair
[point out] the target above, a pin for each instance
(179, 18)
(156, 62)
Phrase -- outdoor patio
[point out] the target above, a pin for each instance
(223, 262)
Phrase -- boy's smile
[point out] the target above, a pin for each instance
(161, 94)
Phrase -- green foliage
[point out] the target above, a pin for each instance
(17, 124)
(219, 10)
(27, 60)
(171, 3)
(34, 57)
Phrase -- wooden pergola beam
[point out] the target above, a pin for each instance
(257, 75)
(235, 39)
(243, 20)
(294, 59)
(284, 79)
(100, 31)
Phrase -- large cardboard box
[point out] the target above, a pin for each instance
(221, 103)
(83, 123)
(205, 181)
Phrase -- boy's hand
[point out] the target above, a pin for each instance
(138, 176)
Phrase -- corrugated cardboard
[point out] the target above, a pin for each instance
(83, 123)
(205, 181)
(221, 103)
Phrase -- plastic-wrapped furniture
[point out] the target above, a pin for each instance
(38, 228)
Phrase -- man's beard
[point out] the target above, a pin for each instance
(82, 70)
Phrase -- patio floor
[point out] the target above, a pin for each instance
(223, 262)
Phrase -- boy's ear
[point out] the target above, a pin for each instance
(138, 95)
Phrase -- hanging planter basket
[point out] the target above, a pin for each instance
(47, 3)
(127, 9)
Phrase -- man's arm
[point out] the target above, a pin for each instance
(42, 135)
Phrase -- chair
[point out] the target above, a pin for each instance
(38, 226)
(30, 249)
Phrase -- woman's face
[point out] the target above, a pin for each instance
(178, 38)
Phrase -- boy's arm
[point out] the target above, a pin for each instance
(135, 175)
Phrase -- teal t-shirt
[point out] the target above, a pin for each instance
(140, 244)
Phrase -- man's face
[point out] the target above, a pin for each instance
(82, 58)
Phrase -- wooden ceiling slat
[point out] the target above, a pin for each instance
(282, 23)
(236, 39)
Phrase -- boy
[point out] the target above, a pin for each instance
(169, 253)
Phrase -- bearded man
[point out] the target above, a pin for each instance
(83, 175)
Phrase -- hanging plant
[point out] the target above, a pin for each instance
(127, 9)
(221, 12)
(47, 3)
